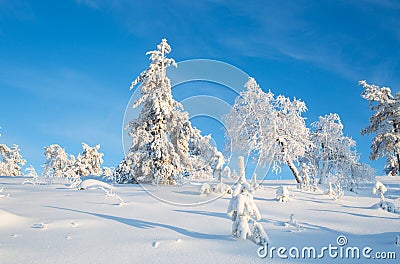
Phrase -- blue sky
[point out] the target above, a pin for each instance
(66, 66)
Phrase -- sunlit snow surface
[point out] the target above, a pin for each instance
(56, 224)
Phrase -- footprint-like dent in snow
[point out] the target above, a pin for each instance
(73, 224)
(156, 244)
(41, 226)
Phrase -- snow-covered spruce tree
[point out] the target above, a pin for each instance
(165, 147)
(11, 161)
(267, 127)
(242, 209)
(89, 162)
(58, 162)
(384, 124)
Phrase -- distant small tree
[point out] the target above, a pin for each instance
(58, 162)
(384, 124)
(227, 172)
(89, 162)
(11, 161)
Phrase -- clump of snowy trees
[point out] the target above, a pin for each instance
(11, 160)
(384, 124)
(271, 128)
(165, 147)
(60, 164)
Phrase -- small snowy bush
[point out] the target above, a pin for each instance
(227, 172)
(283, 194)
(254, 183)
(31, 172)
(205, 189)
(292, 225)
(335, 191)
(379, 189)
(221, 188)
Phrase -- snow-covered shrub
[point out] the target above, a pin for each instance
(221, 187)
(254, 183)
(1, 193)
(227, 172)
(335, 191)
(205, 189)
(165, 147)
(234, 175)
(31, 172)
(283, 194)
(388, 206)
(11, 161)
(379, 189)
(292, 225)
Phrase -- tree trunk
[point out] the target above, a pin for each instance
(398, 163)
(293, 168)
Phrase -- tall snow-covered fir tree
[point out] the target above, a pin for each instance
(165, 147)
(384, 124)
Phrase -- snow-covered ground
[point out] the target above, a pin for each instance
(57, 224)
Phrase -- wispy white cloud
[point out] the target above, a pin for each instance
(89, 3)
(16, 9)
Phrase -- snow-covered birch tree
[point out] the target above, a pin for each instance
(270, 128)
(334, 155)
(165, 147)
(384, 124)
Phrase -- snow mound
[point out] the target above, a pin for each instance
(9, 219)
(92, 184)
